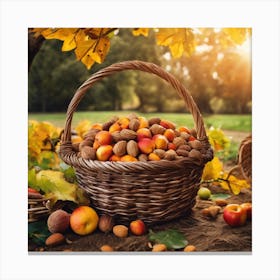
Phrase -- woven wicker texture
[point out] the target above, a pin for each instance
(151, 191)
(245, 157)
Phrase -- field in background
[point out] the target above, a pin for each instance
(240, 123)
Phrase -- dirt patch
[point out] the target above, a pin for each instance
(205, 234)
(236, 136)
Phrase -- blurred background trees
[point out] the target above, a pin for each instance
(217, 73)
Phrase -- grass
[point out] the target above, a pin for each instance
(225, 122)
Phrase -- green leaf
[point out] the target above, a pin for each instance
(173, 239)
(38, 232)
(219, 196)
(55, 187)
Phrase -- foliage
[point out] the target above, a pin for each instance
(38, 232)
(55, 187)
(173, 239)
(92, 44)
(214, 173)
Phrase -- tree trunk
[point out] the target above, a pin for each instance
(34, 45)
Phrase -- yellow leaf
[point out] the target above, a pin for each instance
(237, 35)
(233, 183)
(212, 169)
(69, 43)
(83, 47)
(140, 31)
(179, 40)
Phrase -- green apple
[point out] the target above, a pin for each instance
(204, 193)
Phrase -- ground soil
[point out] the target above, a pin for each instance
(207, 235)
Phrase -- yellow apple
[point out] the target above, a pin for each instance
(84, 220)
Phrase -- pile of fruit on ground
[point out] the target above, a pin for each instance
(207, 228)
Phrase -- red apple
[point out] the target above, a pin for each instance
(248, 207)
(235, 215)
(137, 227)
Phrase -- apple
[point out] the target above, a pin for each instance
(137, 227)
(204, 193)
(248, 207)
(84, 220)
(235, 215)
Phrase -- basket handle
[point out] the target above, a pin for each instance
(134, 65)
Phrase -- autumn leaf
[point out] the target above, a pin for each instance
(55, 187)
(218, 139)
(141, 31)
(212, 169)
(237, 35)
(232, 183)
(179, 40)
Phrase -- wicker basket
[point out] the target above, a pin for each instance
(245, 157)
(37, 209)
(154, 191)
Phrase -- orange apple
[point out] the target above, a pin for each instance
(84, 220)
(169, 134)
(103, 137)
(235, 215)
(167, 124)
(248, 207)
(137, 227)
(143, 122)
(153, 156)
(104, 152)
(143, 133)
(171, 146)
(184, 129)
(128, 158)
(161, 141)
(146, 145)
(114, 127)
(123, 122)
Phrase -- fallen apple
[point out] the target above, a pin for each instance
(248, 207)
(137, 227)
(204, 193)
(84, 220)
(235, 215)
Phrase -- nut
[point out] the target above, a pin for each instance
(154, 121)
(134, 124)
(211, 211)
(106, 248)
(181, 152)
(91, 134)
(185, 135)
(85, 143)
(179, 141)
(105, 223)
(58, 221)
(185, 147)
(128, 134)
(55, 239)
(195, 144)
(195, 154)
(159, 248)
(159, 152)
(88, 153)
(143, 157)
(189, 248)
(119, 148)
(221, 202)
(157, 129)
(132, 148)
(75, 147)
(116, 136)
(120, 231)
(170, 155)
